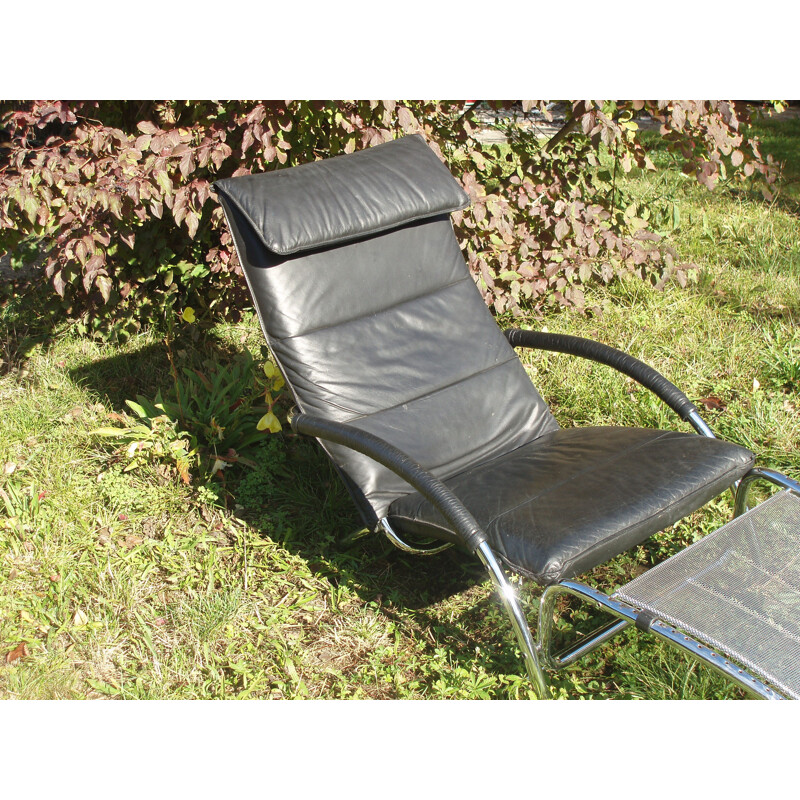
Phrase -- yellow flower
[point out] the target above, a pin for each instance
(269, 422)
(272, 373)
(188, 314)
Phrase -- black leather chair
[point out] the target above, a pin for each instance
(400, 371)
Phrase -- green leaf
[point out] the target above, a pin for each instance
(31, 207)
(116, 432)
(269, 422)
(139, 411)
(164, 182)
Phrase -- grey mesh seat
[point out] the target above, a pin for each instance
(400, 371)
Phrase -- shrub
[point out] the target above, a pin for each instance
(118, 194)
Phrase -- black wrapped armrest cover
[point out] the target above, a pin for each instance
(345, 198)
(603, 354)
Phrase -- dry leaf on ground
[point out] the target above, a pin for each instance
(20, 651)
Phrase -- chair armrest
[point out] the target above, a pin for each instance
(430, 487)
(622, 362)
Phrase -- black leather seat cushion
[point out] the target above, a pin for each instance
(571, 499)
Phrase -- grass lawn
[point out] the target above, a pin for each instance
(134, 584)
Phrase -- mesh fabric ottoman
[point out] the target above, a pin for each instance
(737, 591)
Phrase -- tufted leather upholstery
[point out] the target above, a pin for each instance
(574, 498)
(386, 332)
(370, 311)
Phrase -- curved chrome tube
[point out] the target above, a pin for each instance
(760, 473)
(384, 525)
(461, 522)
(578, 650)
(518, 620)
(700, 651)
(699, 424)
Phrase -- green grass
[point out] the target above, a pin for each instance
(135, 585)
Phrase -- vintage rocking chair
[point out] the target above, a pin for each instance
(399, 370)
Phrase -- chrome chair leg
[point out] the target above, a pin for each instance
(383, 524)
(629, 615)
(760, 473)
(518, 620)
(507, 595)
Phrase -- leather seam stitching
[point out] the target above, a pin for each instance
(436, 391)
(375, 313)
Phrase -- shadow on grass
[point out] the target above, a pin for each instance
(22, 326)
(320, 520)
(146, 370)
(443, 601)
(306, 509)
(439, 600)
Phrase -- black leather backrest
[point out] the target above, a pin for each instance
(386, 331)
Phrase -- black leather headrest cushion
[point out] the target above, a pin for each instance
(339, 199)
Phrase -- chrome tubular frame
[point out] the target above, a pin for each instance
(508, 596)
(760, 473)
(547, 615)
(741, 487)
(627, 614)
(539, 654)
(699, 424)
(518, 621)
(384, 525)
